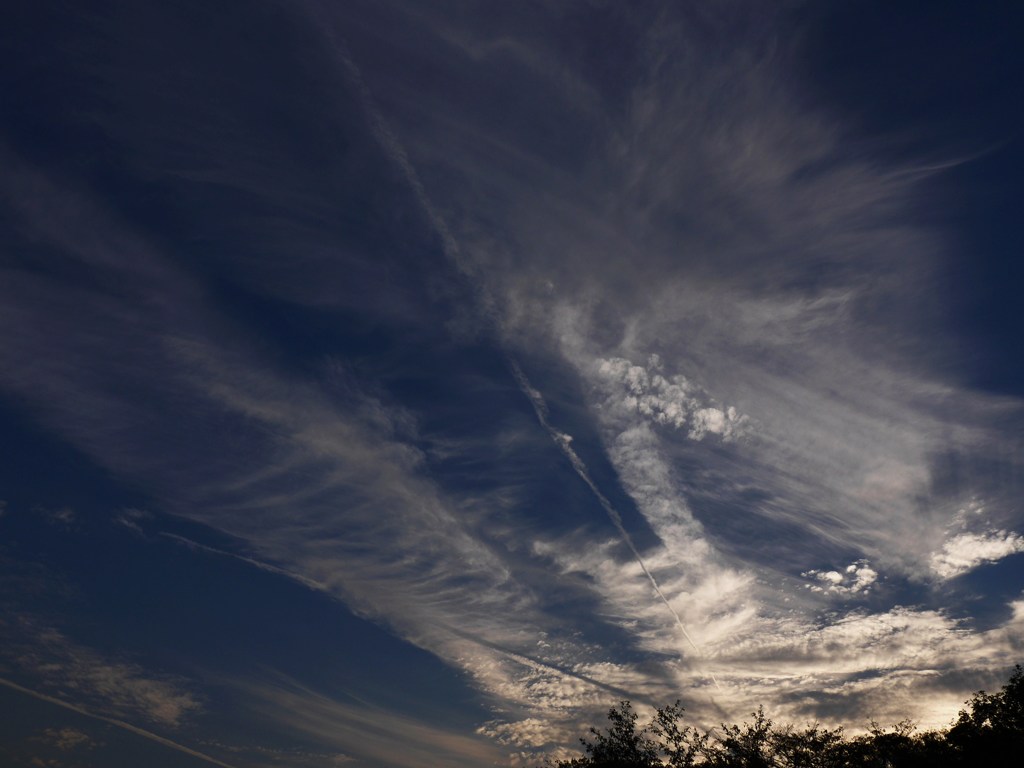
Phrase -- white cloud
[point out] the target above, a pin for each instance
(855, 579)
(718, 221)
(673, 401)
(966, 551)
(739, 239)
(531, 732)
(867, 665)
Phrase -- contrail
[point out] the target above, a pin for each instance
(544, 666)
(563, 441)
(397, 154)
(450, 247)
(113, 721)
(195, 545)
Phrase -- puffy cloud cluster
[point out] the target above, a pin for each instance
(670, 400)
(855, 579)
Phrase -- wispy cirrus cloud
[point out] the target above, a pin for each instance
(126, 726)
(725, 232)
(322, 490)
(363, 732)
(719, 300)
(111, 686)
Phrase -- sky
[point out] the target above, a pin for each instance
(404, 383)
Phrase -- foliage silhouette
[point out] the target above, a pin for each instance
(994, 726)
(988, 732)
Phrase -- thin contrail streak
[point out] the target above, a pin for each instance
(303, 580)
(563, 441)
(450, 246)
(113, 721)
(397, 154)
(544, 666)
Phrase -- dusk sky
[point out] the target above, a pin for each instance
(403, 383)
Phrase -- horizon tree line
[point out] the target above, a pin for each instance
(988, 732)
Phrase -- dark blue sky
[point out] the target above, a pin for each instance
(403, 383)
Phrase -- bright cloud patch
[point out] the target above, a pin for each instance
(855, 579)
(967, 551)
(531, 732)
(670, 400)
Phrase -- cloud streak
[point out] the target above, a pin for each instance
(148, 735)
(736, 243)
(563, 441)
(728, 296)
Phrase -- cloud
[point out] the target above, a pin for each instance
(394, 547)
(534, 739)
(868, 665)
(363, 732)
(531, 732)
(295, 756)
(722, 229)
(63, 518)
(966, 551)
(68, 739)
(563, 441)
(149, 735)
(672, 401)
(323, 489)
(721, 280)
(701, 261)
(81, 674)
(131, 518)
(855, 579)
(972, 540)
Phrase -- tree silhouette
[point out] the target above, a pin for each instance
(620, 745)
(994, 726)
(989, 732)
